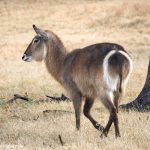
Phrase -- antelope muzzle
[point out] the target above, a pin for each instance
(27, 58)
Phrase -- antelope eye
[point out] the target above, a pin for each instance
(36, 40)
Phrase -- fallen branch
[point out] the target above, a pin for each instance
(57, 111)
(17, 96)
(26, 98)
(58, 99)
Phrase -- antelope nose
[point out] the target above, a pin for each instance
(27, 58)
(23, 57)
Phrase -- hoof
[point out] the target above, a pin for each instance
(99, 127)
(103, 134)
(118, 135)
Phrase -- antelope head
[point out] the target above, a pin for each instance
(37, 49)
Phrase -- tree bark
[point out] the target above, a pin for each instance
(142, 102)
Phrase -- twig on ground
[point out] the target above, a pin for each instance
(60, 139)
(25, 98)
(55, 111)
(17, 96)
(58, 99)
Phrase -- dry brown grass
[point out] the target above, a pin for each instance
(78, 24)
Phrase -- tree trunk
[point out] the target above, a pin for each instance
(142, 102)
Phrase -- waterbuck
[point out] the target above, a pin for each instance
(96, 71)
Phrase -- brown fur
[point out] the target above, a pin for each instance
(81, 73)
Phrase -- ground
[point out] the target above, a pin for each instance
(23, 125)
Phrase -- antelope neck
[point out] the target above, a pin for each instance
(56, 53)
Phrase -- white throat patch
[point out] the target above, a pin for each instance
(45, 51)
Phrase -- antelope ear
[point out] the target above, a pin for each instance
(40, 32)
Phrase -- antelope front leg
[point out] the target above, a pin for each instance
(77, 100)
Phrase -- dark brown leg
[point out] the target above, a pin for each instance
(117, 132)
(117, 97)
(106, 130)
(76, 97)
(116, 105)
(77, 101)
(113, 108)
(113, 118)
(87, 107)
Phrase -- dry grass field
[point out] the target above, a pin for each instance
(23, 125)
